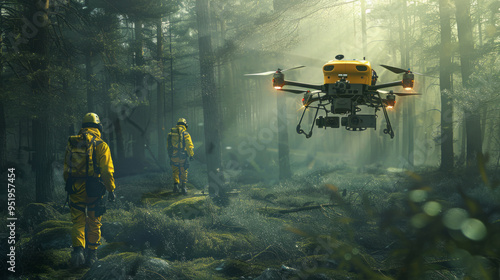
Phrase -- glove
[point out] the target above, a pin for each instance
(111, 196)
(191, 158)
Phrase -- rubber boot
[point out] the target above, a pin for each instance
(77, 257)
(176, 187)
(184, 189)
(91, 257)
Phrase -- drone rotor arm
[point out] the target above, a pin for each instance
(399, 93)
(303, 85)
(295, 91)
(261, 74)
(392, 84)
(406, 93)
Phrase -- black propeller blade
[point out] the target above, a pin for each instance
(272, 72)
(394, 69)
(401, 70)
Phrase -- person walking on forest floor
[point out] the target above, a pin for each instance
(88, 172)
(180, 149)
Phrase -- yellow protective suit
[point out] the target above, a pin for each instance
(180, 149)
(86, 226)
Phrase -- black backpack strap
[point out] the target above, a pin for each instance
(184, 139)
(88, 154)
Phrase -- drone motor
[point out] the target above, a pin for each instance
(408, 80)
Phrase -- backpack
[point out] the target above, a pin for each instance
(81, 161)
(180, 146)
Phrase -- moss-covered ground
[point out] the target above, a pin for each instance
(330, 224)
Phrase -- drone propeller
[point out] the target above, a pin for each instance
(273, 72)
(401, 70)
(395, 69)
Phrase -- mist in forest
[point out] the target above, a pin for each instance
(143, 65)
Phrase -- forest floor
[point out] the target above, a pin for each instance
(337, 223)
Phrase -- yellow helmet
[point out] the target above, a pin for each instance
(91, 120)
(182, 121)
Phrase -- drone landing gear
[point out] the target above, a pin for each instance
(300, 130)
(388, 129)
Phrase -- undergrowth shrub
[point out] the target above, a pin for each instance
(169, 238)
(268, 233)
(158, 235)
(437, 233)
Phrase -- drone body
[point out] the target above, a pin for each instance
(348, 84)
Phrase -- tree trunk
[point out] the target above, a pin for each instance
(211, 114)
(42, 140)
(140, 86)
(283, 147)
(466, 49)
(3, 123)
(120, 147)
(42, 133)
(409, 103)
(88, 78)
(401, 152)
(172, 117)
(445, 83)
(3, 137)
(160, 110)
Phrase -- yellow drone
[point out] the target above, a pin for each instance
(348, 85)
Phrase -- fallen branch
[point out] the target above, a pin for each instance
(306, 208)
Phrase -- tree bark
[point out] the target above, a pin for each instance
(211, 114)
(42, 133)
(3, 137)
(139, 143)
(3, 123)
(42, 140)
(409, 103)
(172, 118)
(88, 78)
(445, 83)
(283, 147)
(466, 49)
(160, 96)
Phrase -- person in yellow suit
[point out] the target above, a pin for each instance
(181, 151)
(88, 172)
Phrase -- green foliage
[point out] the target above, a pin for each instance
(178, 239)
(51, 224)
(187, 208)
(36, 213)
(149, 9)
(47, 262)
